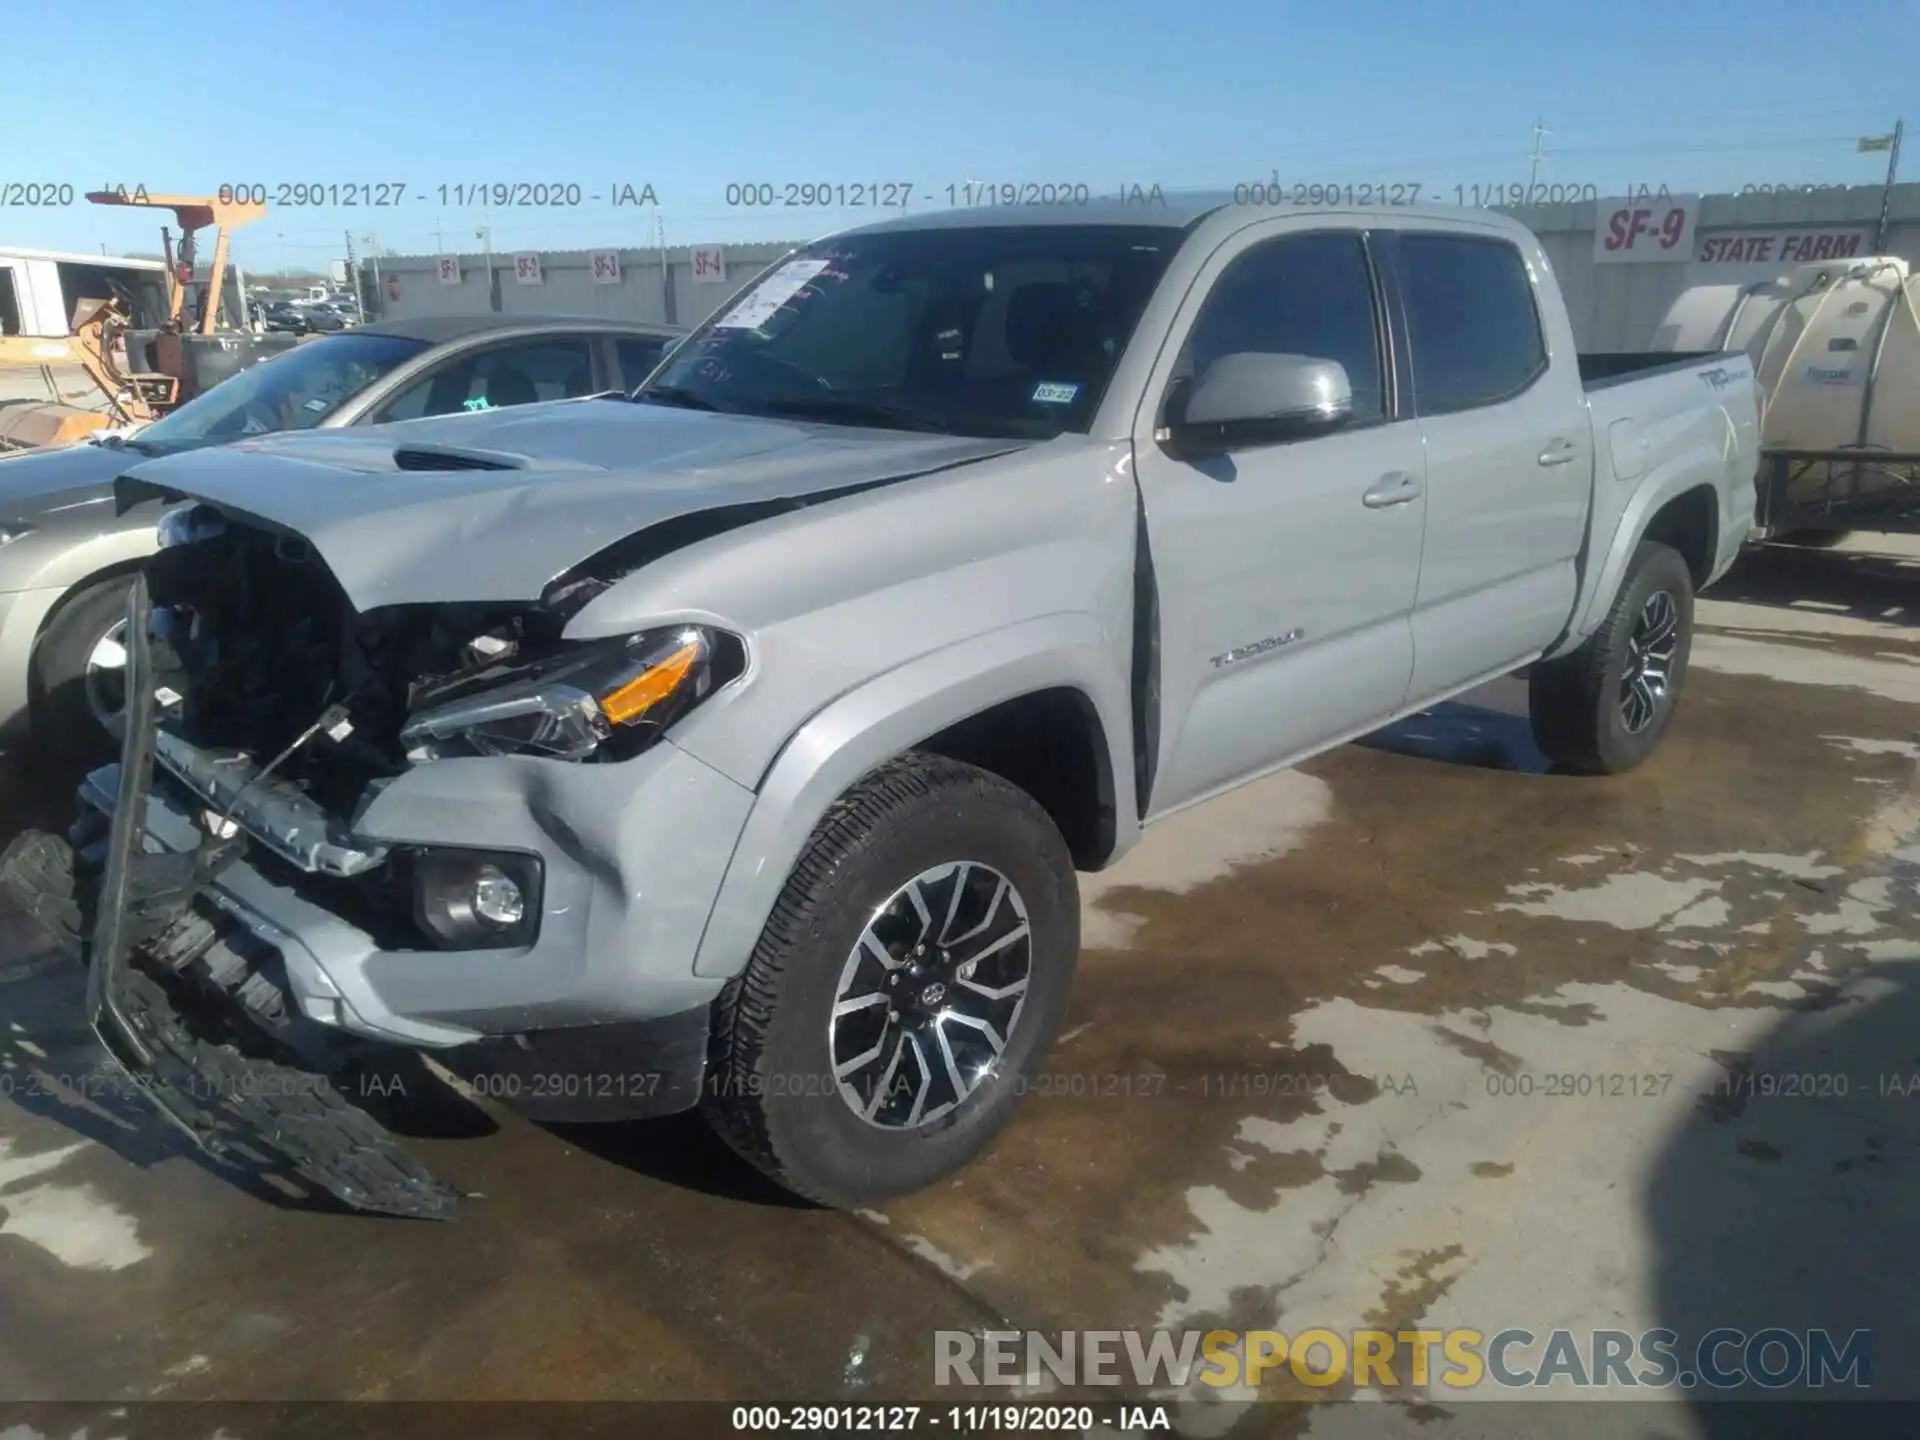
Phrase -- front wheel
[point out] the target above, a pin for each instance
(77, 682)
(911, 977)
(1601, 709)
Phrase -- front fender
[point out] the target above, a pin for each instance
(889, 715)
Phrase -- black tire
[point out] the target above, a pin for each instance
(64, 725)
(1576, 700)
(771, 1091)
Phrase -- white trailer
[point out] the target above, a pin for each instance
(1836, 346)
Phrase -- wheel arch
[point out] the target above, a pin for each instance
(1683, 513)
(117, 570)
(969, 702)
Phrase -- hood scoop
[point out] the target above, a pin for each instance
(433, 457)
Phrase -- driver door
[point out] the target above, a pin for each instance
(1286, 572)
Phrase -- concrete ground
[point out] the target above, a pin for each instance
(1310, 1078)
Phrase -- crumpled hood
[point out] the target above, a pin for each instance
(38, 481)
(577, 477)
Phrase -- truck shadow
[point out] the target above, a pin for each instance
(682, 1151)
(1864, 585)
(1784, 1199)
(1459, 732)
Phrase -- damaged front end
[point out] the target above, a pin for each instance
(265, 717)
(241, 1080)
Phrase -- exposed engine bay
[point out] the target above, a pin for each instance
(255, 644)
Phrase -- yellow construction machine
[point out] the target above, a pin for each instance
(101, 327)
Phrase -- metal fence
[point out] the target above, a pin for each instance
(624, 283)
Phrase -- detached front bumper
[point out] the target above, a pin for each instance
(229, 995)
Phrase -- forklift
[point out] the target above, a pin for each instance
(144, 372)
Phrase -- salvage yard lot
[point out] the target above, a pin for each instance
(1415, 1033)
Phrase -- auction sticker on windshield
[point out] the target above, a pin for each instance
(770, 294)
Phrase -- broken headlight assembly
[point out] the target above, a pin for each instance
(594, 700)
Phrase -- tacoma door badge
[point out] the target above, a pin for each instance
(1258, 647)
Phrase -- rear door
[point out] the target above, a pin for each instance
(1285, 573)
(1509, 456)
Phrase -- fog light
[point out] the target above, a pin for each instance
(497, 900)
(476, 899)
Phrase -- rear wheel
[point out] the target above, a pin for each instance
(1601, 709)
(77, 684)
(911, 977)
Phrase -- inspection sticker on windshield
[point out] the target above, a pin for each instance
(770, 294)
(1054, 392)
(316, 404)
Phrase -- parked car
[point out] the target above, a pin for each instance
(322, 319)
(283, 316)
(65, 559)
(737, 747)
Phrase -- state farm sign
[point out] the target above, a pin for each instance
(1789, 245)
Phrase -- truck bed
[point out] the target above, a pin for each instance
(1610, 367)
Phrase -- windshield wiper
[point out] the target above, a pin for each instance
(677, 395)
(855, 412)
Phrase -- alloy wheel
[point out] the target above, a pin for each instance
(1646, 680)
(930, 994)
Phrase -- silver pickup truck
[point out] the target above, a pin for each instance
(736, 744)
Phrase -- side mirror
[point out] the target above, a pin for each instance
(1256, 399)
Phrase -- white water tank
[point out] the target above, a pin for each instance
(1836, 347)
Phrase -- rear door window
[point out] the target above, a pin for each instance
(1471, 321)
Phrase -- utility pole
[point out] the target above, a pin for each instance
(373, 250)
(1890, 144)
(353, 278)
(667, 307)
(1540, 133)
(485, 236)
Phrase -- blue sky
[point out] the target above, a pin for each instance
(1694, 94)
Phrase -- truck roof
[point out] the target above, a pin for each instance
(70, 257)
(1169, 210)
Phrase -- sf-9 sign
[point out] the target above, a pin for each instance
(1645, 229)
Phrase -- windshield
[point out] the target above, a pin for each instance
(295, 390)
(997, 331)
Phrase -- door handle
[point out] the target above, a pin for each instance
(1396, 487)
(1560, 452)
